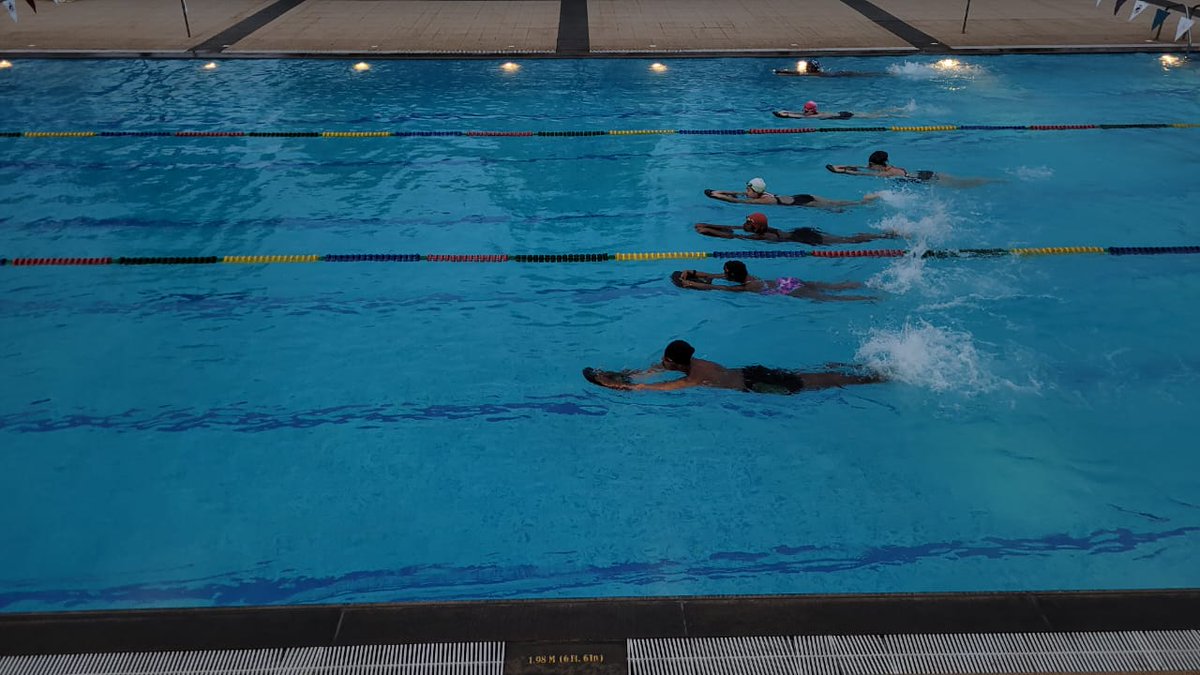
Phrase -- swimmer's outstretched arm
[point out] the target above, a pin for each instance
(654, 369)
(722, 231)
(849, 170)
(726, 196)
(681, 383)
(702, 286)
(611, 383)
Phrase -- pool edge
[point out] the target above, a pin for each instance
(596, 620)
(982, 50)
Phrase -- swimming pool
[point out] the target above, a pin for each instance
(201, 435)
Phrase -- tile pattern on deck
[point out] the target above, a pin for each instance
(124, 25)
(410, 25)
(473, 26)
(1027, 22)
(732, 25)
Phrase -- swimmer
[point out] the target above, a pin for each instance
(809, 67)
(810, 112)
(741, 282)
(877, 166)
(678, 357)
(813, 68)
(756, 193)
(756, 225)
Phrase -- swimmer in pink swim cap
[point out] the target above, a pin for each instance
(811, 111)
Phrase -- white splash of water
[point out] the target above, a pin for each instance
(920, 229)
(1031, 173)
(927, 109)
(902, 274)
(924, 355)
(944, 68)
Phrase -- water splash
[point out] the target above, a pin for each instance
(1031, 173)
(943, 68)
(924, 355)
(902, 274)
(921, 229)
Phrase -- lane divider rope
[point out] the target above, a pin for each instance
(609, 132)
(599, 257)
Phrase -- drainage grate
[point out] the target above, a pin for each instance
(1155, 651)
(480, 658)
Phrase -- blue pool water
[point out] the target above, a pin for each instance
(278, 434)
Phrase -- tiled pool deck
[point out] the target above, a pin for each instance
(573, 27)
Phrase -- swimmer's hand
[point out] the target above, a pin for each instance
(607, 379)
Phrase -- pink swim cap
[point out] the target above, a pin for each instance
(811, 105)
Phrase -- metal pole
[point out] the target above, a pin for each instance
(968, 11)
(1188, 14)
(186, 25)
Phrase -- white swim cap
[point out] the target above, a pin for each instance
(757, 184)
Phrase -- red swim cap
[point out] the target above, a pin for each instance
(757, 219)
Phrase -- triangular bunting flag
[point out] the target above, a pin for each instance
(11, 6)
(1117, 8)
(1185, 24)
(32, 5)
(1138, 7)
(1160, 17)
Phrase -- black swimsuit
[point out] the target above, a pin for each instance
(763, 380)
(807, 235)
(796, 200)
(919, 177)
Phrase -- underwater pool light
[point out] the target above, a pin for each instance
(510, 67)
(802, 66)
(658, 67)
(948, 64)
(5, 63)
(1169, 60)
(211, 65)
(362, 67)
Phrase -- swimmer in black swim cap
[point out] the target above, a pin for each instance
(740, 281)
(679, 357)
(878, 166)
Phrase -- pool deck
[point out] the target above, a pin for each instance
(1034, 632)
(573, 28)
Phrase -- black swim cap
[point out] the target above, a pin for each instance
(679, 352)
(735, 270)
(878, 157)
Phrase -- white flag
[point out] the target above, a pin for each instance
(1138, 7)
(1097, 2)
(11, 6)
(1185, 24)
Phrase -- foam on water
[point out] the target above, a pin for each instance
(924, 355)
(924, 71)
(922, 222)
(1031, 173)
